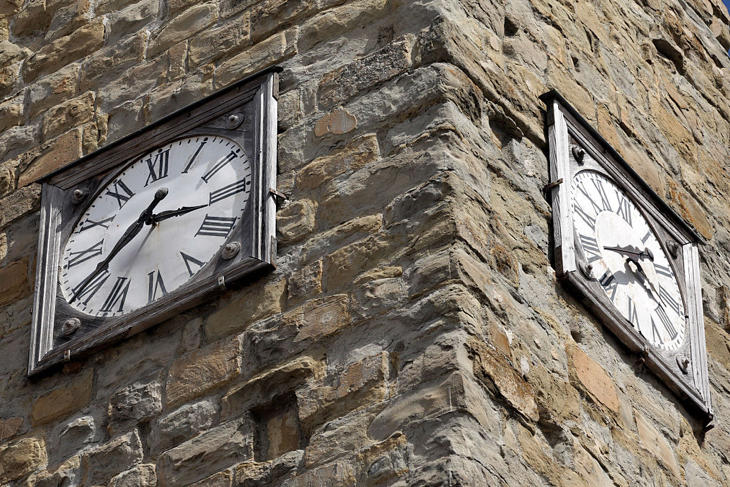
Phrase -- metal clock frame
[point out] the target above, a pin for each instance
(684, 371)
(245, 112)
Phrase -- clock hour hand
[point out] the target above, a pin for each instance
(632, 251)
(164, 215)
(644, 278)
(127, 237)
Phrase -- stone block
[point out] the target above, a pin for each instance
(211, 44)
(264, 54)
(10, 53)
(52, 89)
(337, 122)
(143, 475)
(60, 151)
(323, 243)
(34, 18)
(67, 18)
(657, 444)
(131, 19)
(182, 424)
(64, 51)
(269, 15)
(592, 377)
(9, 427)
(21, 457)
(259, 300)
(134, 83)
(343, 265)
(357, 77)
(350, 158)
(306, 282)
(71, 396)
(66, 474)
(135, 403)
(295, 221)
(125, 119)
(70, 438)
(319, 318)
(216, 449)
(182, 27)
(201, 370)
(68, 114)
(107, 6)
(177, 56)
(11, 113)
(342, 19)
(14, 281)
(106, 461)
(113, 62)
(220, 479)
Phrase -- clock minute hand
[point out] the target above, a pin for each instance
(164, 215)
(632, 251)
(127, 237)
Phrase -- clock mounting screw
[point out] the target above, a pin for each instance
(78, 195)
(578, 153)
(70, 326)
(673, 248)
(234, 120)
(230, 250)
(683, 363)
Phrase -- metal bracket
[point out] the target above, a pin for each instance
(222, 282)
(279, 197)
(552, 185)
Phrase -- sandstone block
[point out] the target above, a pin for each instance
(592, 377)
(256, 302)
(268, 52)
(10, 7)
(134, 403)
(182, 424)
(52, 89)
(201, 370)
(9, 427)
(62, 150)
(337, 122)
(70, 397)
(216, 449)
(343, 265)
(33, 18)
(21, 457)
(319, 318)
(656, 443)
(11, 113)
(211, 44)
(331, 22)
(68, 114)
(182, 27)
(14, 281)
(289, 109)
(220, 479)
(140, 476)
(67, 473)
(111, 63)
(341, 473)
(64, 51)
(103, 463)
(10, 53)
(343, 83)
(269, 15)
(131, 19)
(306, 282)
(352, 157)
(295, 221)
(106, 6)
(72, 437)
(356, 229)
(67, 18)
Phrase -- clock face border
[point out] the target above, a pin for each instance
(245, 112)
(684, 371)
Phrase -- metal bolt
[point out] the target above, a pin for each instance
(230, 250)
(673, 248)
(70, 326)
(578, 154)
(234, 120)
(78, 195)
(683, 363)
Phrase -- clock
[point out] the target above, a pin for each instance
(629, 257)
(157, 222)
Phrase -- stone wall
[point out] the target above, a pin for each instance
(414, 332)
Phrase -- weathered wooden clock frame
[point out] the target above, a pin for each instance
(246, 113)
(575, 146)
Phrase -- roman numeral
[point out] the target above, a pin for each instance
(633, 315)
(646, 237)
(609, 284)
(216, 226)
(76, 258)
(91, 288)
(597, 208)
(155, 283)
(663, 270)
(195, 155)
(668, 299)
(118, 294)
(585, 217)
(229, 190)
(602, 193)
(624, 209)
(590, 246)
(89, 223)
(119, 188)
(191, 260)
(158, 166)
(666, 322)
(218, 165)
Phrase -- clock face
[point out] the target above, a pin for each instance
(155, 225)
(627, 260)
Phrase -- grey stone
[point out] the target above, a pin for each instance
(135, 403)
(140, 476)
(106, 461)
(181, 424)
(73, 437)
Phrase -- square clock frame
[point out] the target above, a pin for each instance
(220, 154)
(631, 258)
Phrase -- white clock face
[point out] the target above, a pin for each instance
(155, 225)
(627, 260)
